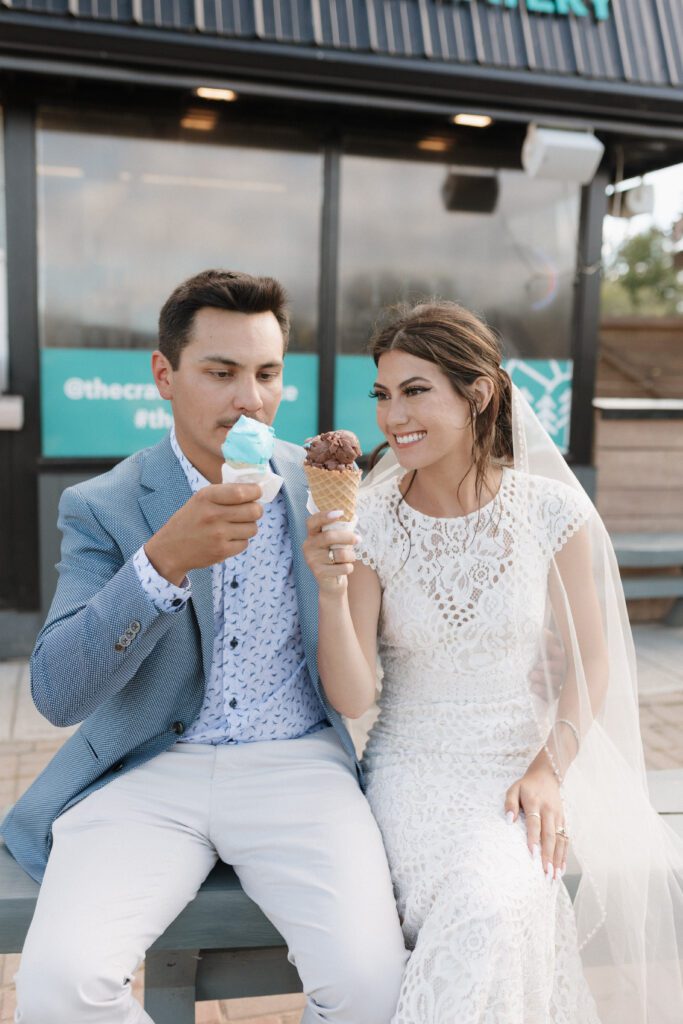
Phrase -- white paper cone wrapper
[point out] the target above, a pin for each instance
(270, 482)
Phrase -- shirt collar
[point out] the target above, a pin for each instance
(194, 477)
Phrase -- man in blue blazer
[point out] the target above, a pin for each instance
(183, 637)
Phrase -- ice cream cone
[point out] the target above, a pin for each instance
(334, 489)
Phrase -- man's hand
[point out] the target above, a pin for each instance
(216, 523)
(550, 671)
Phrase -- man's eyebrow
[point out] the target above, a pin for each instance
(403, 384)
(232, 362)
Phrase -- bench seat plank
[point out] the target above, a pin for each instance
(648, 550)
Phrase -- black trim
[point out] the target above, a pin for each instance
(586, 319)
(327, 298)
(76, 464)
(640, 414)
(45, 37)
(19, 533)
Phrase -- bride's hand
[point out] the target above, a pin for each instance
(537, 796)
(320, 548)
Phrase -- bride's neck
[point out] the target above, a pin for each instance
(445, 491)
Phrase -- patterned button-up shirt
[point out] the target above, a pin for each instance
(259, 686)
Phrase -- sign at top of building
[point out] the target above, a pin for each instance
(582, 8)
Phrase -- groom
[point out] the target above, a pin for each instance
(183, 636)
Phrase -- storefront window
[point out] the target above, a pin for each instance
(4, 340)
(514, 264)
(129, 209)
(643, 247)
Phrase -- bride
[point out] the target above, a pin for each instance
(475, 538)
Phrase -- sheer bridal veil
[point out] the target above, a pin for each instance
(629, 901)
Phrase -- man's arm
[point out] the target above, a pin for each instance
(78, 661)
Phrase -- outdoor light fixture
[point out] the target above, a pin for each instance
(473, 120)
(433, 145)
(199, 120)
(205, 92)
(470, 193)
(561, 155)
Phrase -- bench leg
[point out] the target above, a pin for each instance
(675, 616)
(170, 986)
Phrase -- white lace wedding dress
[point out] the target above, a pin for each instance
(494, 942)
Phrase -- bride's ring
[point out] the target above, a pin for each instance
(330, 556)
(533, 814)
(561, 833)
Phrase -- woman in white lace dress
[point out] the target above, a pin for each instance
(449, 587)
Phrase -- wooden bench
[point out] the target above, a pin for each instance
(651, 551)
(221, 946)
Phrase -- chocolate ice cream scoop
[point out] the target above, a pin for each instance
(335, 449)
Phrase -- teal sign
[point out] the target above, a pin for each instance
(600, 9)
(103, 402)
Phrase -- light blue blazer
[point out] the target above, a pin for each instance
(133, 699)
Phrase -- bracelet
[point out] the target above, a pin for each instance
(575, 731)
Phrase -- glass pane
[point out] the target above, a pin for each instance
(126, 213)
(4, 340)
(643, 247)
(515, 265)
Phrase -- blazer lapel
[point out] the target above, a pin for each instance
(165, 490)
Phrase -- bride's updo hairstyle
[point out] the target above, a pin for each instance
(464, 348)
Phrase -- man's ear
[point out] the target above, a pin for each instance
(483, 392)
(162, 371)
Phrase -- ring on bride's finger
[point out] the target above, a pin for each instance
(533, 814)
(330, 556)
(561, 833)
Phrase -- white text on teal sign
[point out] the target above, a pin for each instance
(582, 8)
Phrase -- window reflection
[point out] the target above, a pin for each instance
(126, 217)
(515, 265)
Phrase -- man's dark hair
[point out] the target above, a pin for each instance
(218, 289)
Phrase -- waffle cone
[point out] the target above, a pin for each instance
(334, 489)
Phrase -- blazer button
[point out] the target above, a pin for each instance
(119, 647)
(135, 626)
(117, 767)
(179, 728)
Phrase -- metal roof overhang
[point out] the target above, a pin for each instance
(42, 45)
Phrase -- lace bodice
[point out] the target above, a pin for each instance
(463, 599)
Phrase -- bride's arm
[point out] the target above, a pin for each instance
(576, 609)
(348, 614)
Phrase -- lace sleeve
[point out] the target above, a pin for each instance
(370, 516)
(564, 510)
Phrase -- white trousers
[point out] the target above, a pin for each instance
(290, 818)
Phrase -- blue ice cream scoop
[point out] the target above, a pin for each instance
(249, 441)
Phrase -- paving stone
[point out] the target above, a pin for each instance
(244, 1010)
(10, 966)
(9, 689)
(209, 1013)
(8, 1004)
